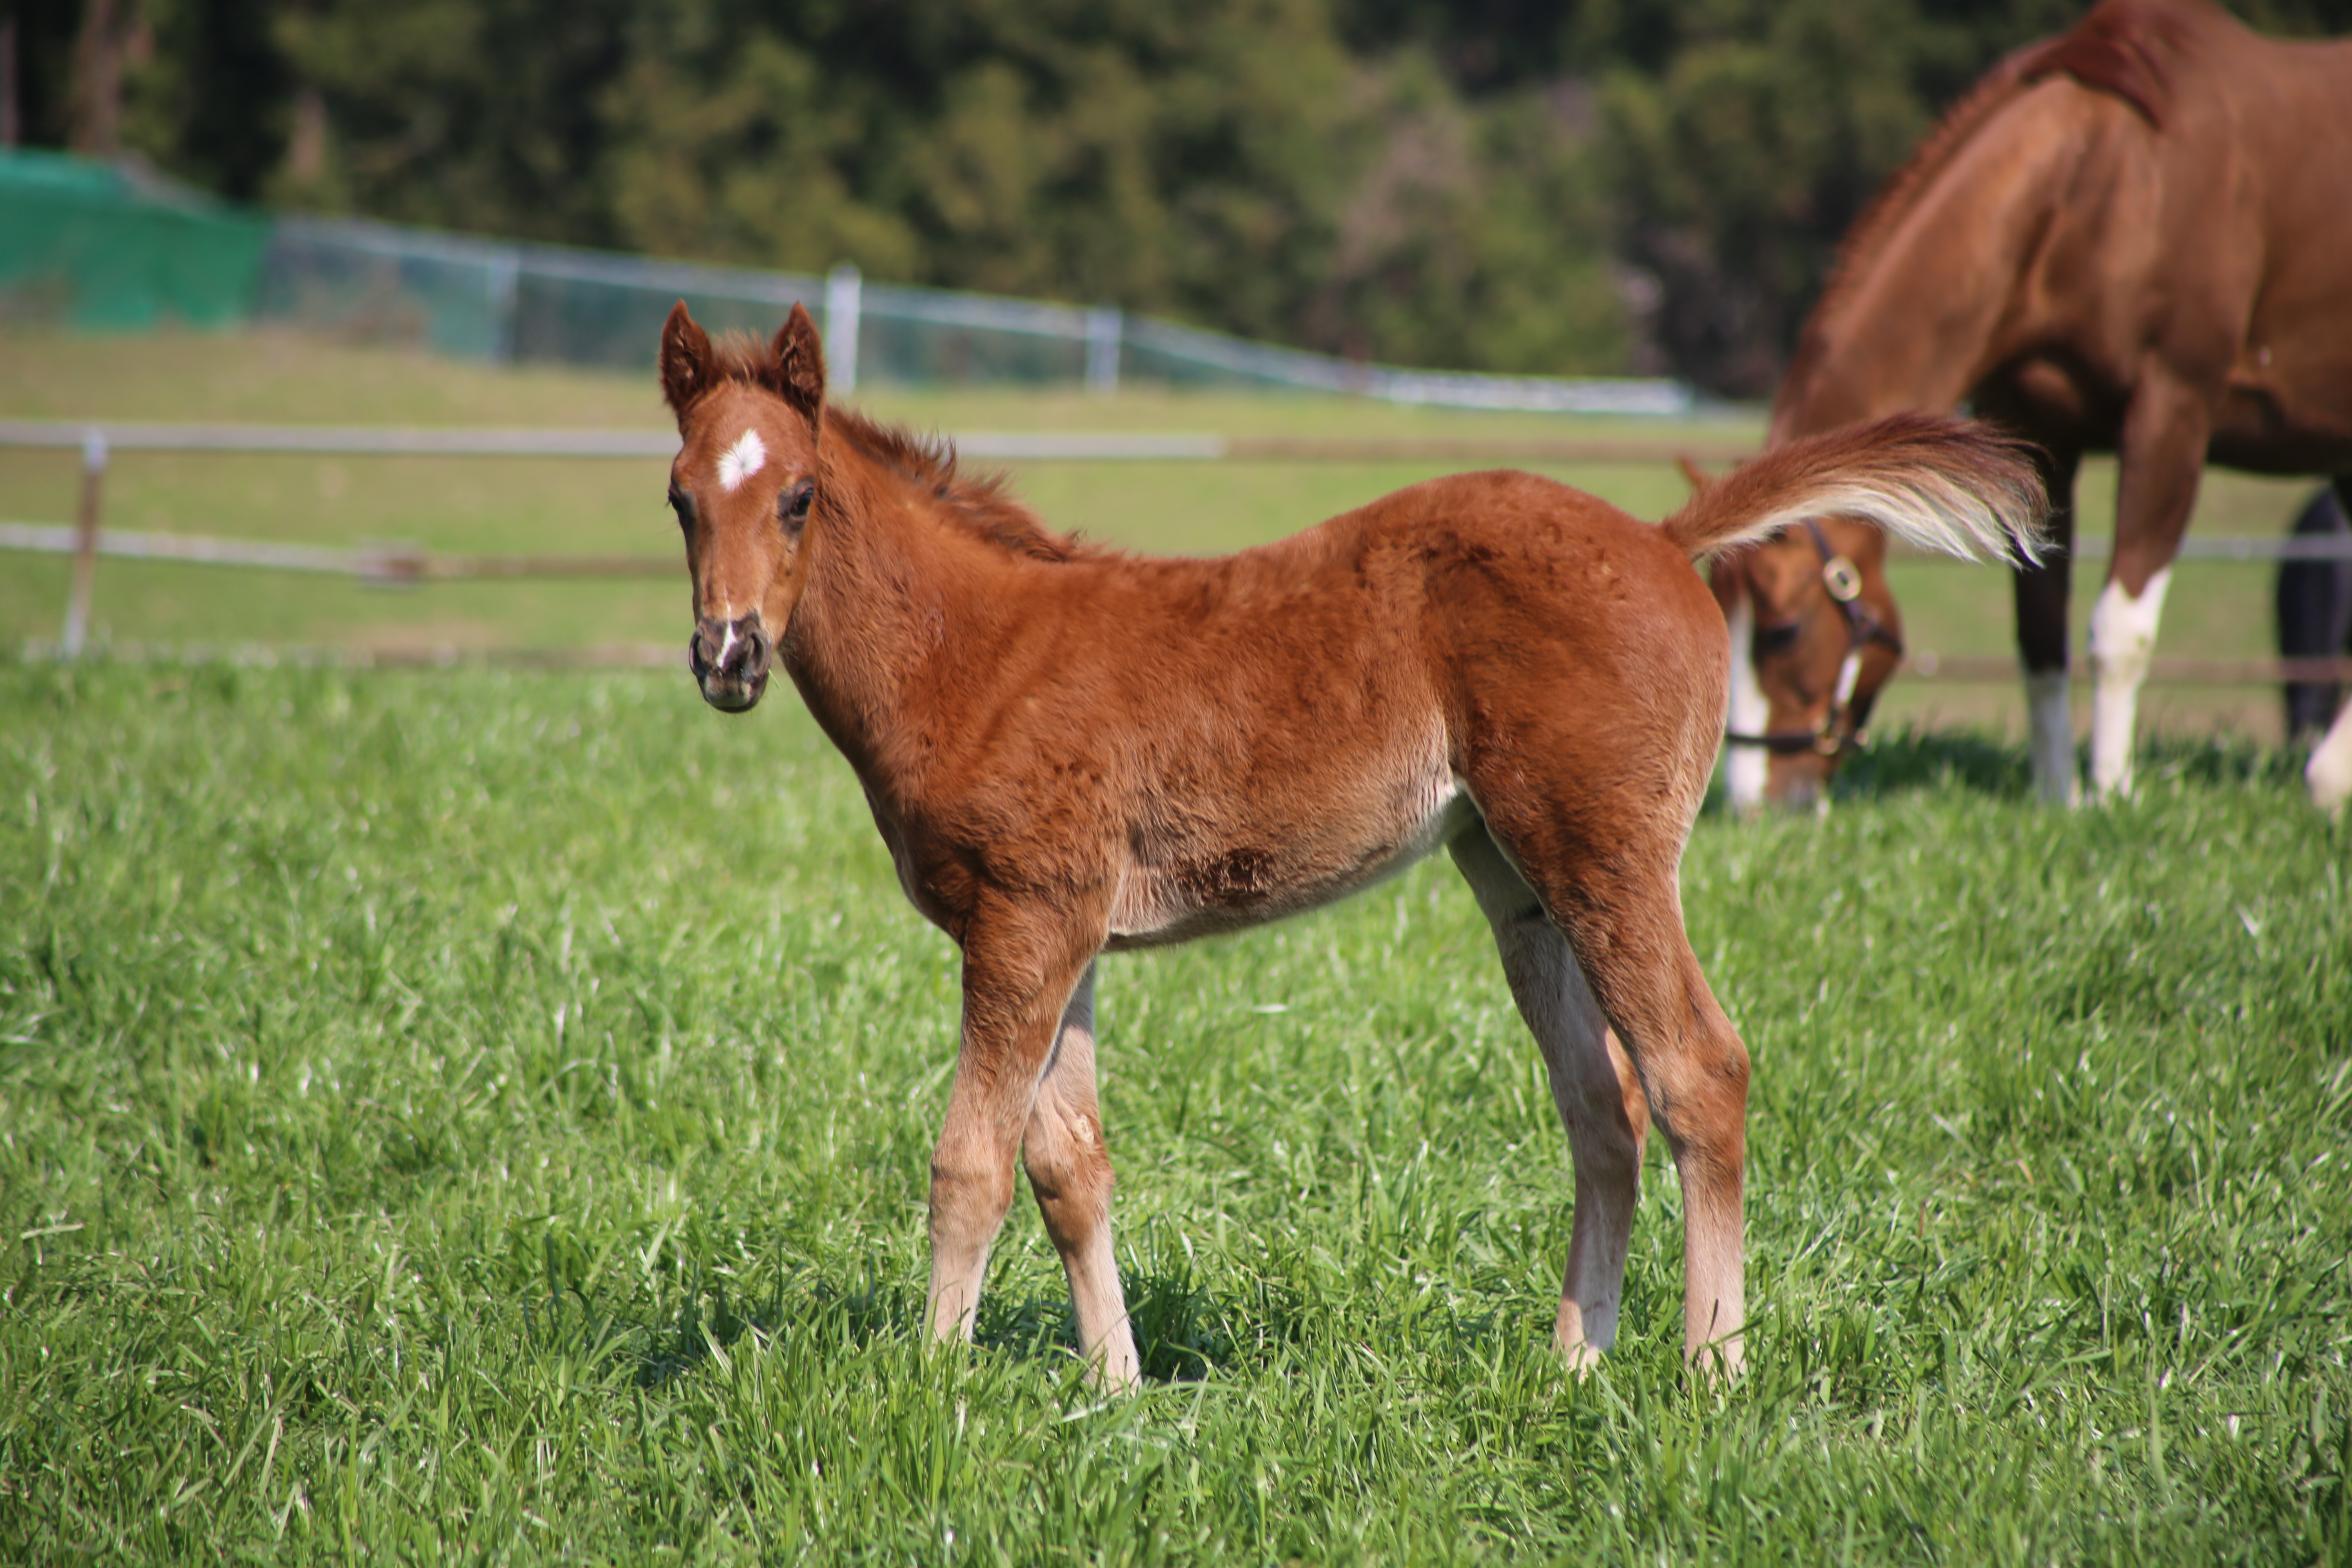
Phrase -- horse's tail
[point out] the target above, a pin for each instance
(1940, 483)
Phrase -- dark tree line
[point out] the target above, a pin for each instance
(1585, 184)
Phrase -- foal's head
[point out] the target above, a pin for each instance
(742, 485)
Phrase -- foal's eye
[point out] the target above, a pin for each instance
(1775, 639)
(682, 504)
(792, 506)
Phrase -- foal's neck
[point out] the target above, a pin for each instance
(896, 589)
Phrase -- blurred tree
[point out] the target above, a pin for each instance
(1739, 165)
(44, 66)
(108, 30)
(1105, 150)
(1529, 185)
(1474, 235)
(208, 95)
(471, 114)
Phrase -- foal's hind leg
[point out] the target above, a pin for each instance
(1069, 1172)
(1621, 910)
(1594, 1085)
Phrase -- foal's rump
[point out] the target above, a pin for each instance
(1307, 716)
(1580, 643)
(1310, 714)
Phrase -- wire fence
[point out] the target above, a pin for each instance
(390, 565)
(114, 245)
(496, 299)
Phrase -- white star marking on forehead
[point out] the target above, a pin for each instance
(745, 458)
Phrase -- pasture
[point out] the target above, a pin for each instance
(2217, 609)
(487, 1114)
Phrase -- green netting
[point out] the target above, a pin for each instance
(87, 244)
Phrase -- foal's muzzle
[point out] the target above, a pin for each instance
(730, 660)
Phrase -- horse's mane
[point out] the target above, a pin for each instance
(2124, 47)
(2127, 47)
(981, 504)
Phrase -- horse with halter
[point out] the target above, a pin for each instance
(2131, 237)
(1072, 751)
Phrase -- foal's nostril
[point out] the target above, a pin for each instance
(707, 647)
(753, 650)
(730, 651)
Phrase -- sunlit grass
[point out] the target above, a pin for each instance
(489, 1115)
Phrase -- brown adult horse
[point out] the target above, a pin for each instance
(1072, 751)
(2133, 238)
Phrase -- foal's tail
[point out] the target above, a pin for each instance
(1941, 483)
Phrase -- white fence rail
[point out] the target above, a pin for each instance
(86, 540)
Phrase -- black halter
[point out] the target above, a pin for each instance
(1842, 582)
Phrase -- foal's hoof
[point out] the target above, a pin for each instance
(1718, 1363)
(1579, 1358)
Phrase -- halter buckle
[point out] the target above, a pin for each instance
(1842, 578)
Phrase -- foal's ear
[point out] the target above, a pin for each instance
(800, 364)
(685, 362)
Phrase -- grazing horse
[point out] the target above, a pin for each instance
(2131, 237)
(1072, 751)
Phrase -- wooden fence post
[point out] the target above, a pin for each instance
(85, 567)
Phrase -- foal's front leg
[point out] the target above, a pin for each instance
(1020, 978)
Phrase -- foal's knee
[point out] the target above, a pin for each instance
(969, 1189)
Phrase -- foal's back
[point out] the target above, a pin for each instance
(1228, 740)
(1394, 605)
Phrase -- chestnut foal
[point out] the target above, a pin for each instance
(1072, 751)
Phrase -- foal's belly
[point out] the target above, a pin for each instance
(1202, 890)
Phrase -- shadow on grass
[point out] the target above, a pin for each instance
(1183, 1333)
(1907, 761)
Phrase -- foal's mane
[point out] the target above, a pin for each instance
(979, 504)
(2124, 47)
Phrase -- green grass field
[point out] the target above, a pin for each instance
(480, 1115)
(2216, 610)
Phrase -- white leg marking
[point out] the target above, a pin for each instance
(2123, 641)
(1803, 793)
(747, 457)
(1743, 767)
(2049, 711)
(2329, 771)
